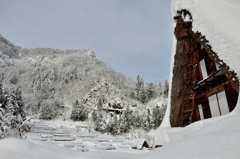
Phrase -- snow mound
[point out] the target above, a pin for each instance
(17, 148)
(215, 140)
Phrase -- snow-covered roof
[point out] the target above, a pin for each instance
(218, 21)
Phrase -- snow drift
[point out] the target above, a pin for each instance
(16, 148)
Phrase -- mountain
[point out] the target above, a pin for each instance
(58, 78)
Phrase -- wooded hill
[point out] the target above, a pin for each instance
(57, 78)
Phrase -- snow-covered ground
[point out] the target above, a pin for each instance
(67, 139)
(217, 138)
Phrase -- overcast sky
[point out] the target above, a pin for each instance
(131, 36)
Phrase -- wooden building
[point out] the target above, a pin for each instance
(203, 86)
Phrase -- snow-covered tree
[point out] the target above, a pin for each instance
(1, 93)
(157, 115)
(19, 101)
(47, 112)
(99, 103)
(3, 120)
(12, 109)
(12, 117)
(79, 112)
(166, 88)
(139, 86)
(109, 128)
(94, 115)
(160, 88)
(136, 119)
(142, 94)
(100, 123)
(148, 120)
(150, 91)
(115, 126)
(126, 120)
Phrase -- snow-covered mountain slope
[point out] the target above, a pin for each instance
(218, 20)
(58, 78)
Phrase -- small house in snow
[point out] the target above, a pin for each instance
(203, 85)
(140, 144)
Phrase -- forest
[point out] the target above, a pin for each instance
(74, 85)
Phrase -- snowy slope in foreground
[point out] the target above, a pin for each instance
(22, 149)
(219, 21)
(219, 140)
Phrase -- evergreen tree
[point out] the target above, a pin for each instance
(150, 91)
(122, 127)
(136, 119)
(142, 95)
(162, 112)
(156, 117)
(166, 88)
(79, 112)
(99, 104)
(110, 126)
(20, 103)
(100, 123)
(115, 126)
(158, 114)
(146, 122)
(10, 113)
(12, 109)
(139, 85)
(149, 119)
(47, 112)
(1, 93)
(160, 88)
(3, 119)
(126, 120)
(94, 115)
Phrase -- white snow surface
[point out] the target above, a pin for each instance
(21, 149)
(218, 20)
(40, 143)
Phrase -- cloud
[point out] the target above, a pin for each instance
(135, 34)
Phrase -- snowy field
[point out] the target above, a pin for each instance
(217, 138)
(67, 139)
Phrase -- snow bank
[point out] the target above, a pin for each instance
(219, 140)
(217, 20)
(16, 148)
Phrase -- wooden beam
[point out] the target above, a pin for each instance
(217, 74)
(213, 91)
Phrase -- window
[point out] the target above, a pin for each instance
(203, 69)
(218, 104)
(200, 111)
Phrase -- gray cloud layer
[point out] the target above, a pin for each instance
(131, 36)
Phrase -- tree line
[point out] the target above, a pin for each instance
(129, 120)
